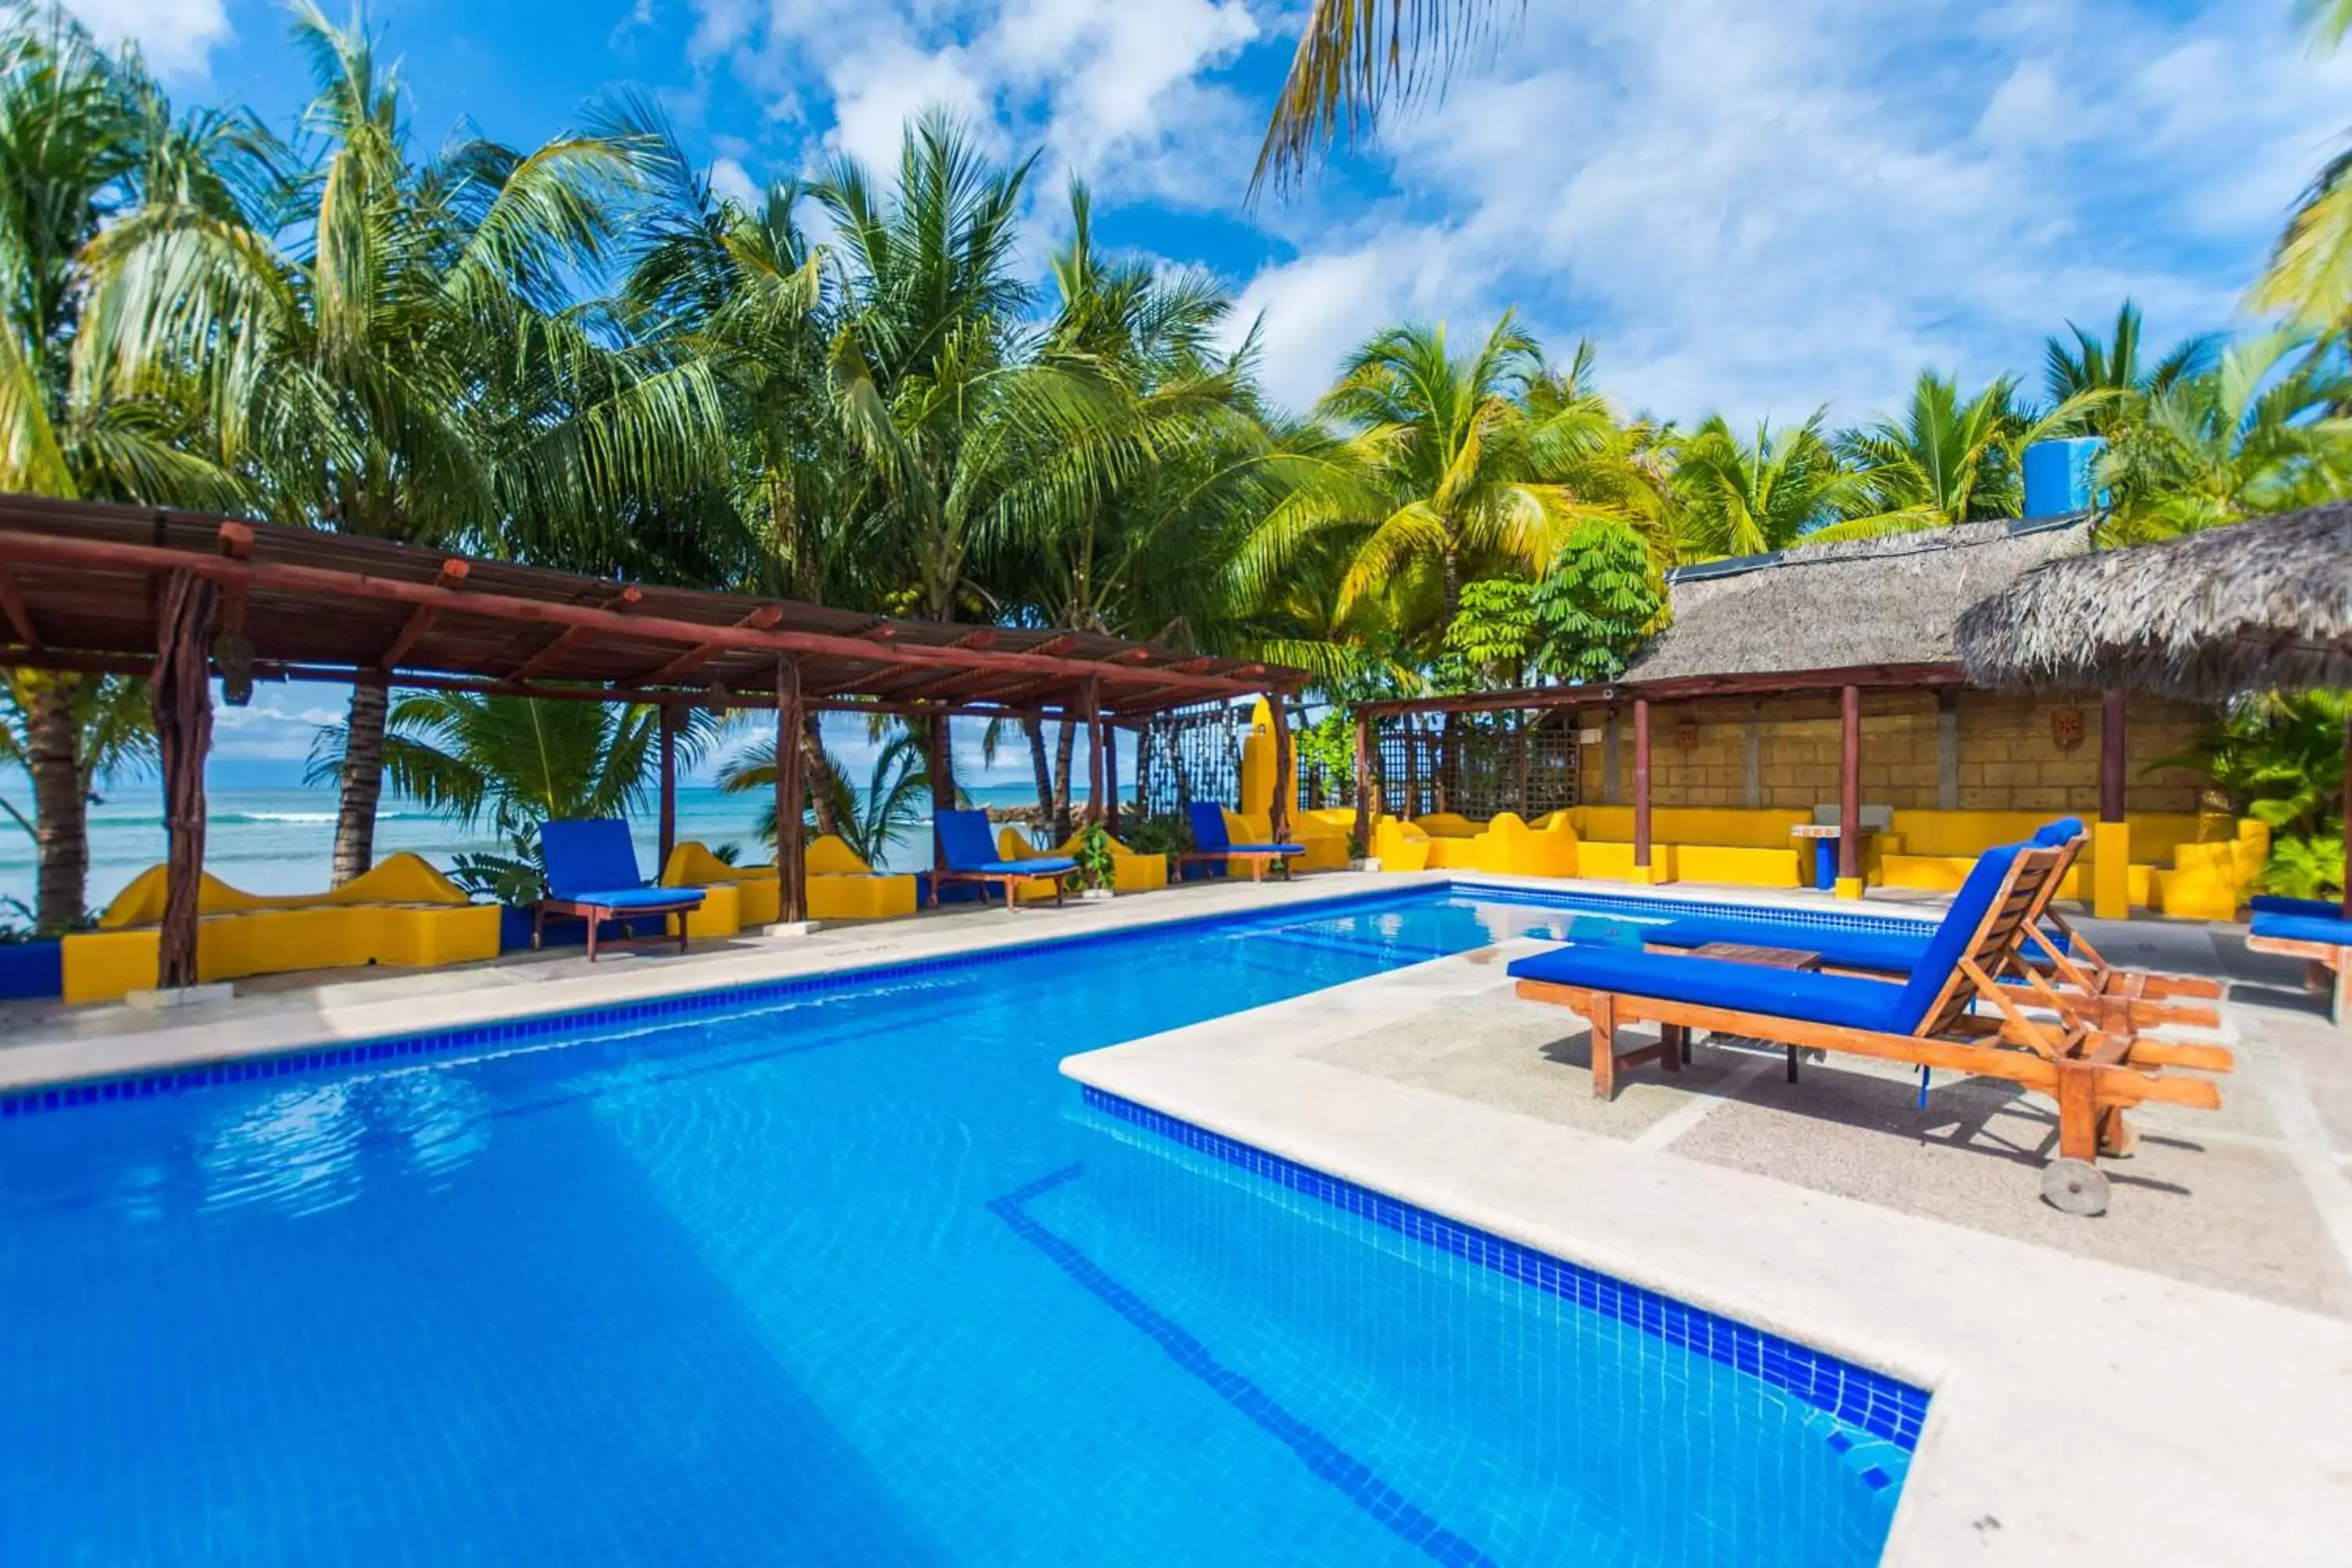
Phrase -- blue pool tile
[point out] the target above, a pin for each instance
(1871, 1401)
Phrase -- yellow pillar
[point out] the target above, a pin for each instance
(2111, 870)
(1256, 804)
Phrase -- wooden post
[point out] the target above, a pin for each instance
(181, 694)
(668, 830)
(939, 753)
(1364, 785)
(2111, 754)
(791, 855)
(1642, 789)
(1411, 766)
(2111, 840)
(1526, 811)
(1286, 767)
(1093, 699)
(1111, 779)
(2347, 836)
(1850, 792)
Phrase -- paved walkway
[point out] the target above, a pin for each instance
(2171, 1383)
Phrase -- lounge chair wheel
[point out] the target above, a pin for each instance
(2076, 1187)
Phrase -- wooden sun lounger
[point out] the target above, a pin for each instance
(2118, 998)
(2093, 1076)
(2330, 962)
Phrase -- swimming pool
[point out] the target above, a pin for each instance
(845, 1272)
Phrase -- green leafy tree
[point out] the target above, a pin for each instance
(2255, 434)
(399, 357)
(1745, 496)
(2103, 379)
(1597, 606)
(84, 138)
(2280, 758)
(1492, 638)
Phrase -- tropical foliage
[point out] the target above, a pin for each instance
(2282, 758)
(878, 390)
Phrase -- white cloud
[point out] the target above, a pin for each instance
(876, 91)
(732, 181)
(1761, 210)
(176, 35)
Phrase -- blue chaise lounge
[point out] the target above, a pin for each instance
(1213, 845)
(971, 856)
(592, 872)
(2313, 929)
(1928, 1019)
(2085, 984)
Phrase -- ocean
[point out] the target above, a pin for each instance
(281, 840)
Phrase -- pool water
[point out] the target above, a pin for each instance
(850, 1277)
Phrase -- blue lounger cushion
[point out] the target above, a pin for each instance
(2280, 904)
(1840, 999)
(640, 899)
(1839, 949)
(969, 848)
(2333, 929)
(1786, 992)
(1210, 837)
(593, 862)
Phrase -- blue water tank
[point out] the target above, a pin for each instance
(2059, 476)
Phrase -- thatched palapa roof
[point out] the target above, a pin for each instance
(2250, 606)
(1872, 603)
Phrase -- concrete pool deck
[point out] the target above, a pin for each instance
(2170, 1383)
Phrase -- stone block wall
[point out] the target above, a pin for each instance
(2004, 755)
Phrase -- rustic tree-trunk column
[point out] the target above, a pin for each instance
(1286, 768)
(1111, 779)
(1093, 699)
(1642, 790)
(1850, 792)
(1364, 785)
(180, 691)
(791, 855)
(1411, 766)
(938, 758)
(359, 781)
(61, 802)
(2348, 817)
(667, 838)
(2111, 840)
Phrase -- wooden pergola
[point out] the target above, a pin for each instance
(182, 598)
(1638, 695)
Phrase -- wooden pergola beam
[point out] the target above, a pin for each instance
(20, 620)
(421, 619)
(570, 638)
(1681, 688)
(329, 583)
(695, 658)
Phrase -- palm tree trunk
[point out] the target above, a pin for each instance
(1069, 744)
(1453, 587)
(819, 770)
(1032, 730)
(362, 782)
(60, 806)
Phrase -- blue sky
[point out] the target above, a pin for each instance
(1755, 209)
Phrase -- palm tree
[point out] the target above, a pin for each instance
(84, 135)
(512, 762)
(1738, 497)
(896, 797)
(1356, 58)
(2105, 378)
(1949, 460)
(1443, 474)
(2253, 434)
(71, 736)
(399, 361)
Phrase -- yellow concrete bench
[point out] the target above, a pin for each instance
(1505, 847)
(401, 913)
(1130, 872)
(841, 886)
(2179, 862)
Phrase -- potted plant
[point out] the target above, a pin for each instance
(1161, 835)
(1096, 856)
(1359, 856)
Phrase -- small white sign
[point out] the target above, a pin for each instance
(1591, 737)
